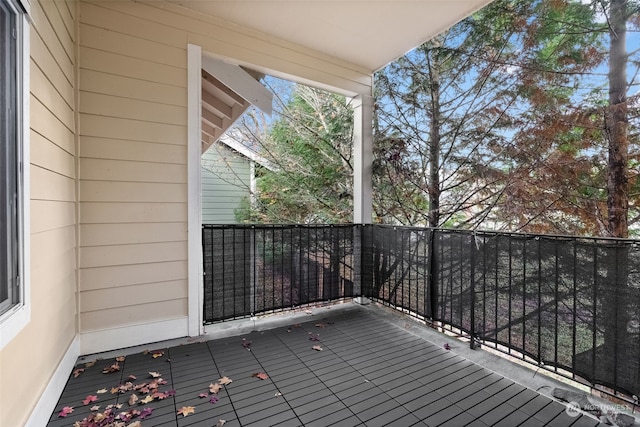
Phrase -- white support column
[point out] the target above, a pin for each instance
(194, 184)
(362, 182)
(363, 157)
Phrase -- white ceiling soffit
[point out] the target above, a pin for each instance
(367, 33)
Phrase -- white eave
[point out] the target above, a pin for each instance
(368, 34)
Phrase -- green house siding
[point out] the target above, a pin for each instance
(226, 180)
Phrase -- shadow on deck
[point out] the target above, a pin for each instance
(370, 372)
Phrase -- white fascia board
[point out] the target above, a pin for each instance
(241, 82)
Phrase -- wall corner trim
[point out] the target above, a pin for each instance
(49, 397)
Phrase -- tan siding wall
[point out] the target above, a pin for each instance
(29, 360)
(133, 170)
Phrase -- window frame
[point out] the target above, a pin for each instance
(16, 317)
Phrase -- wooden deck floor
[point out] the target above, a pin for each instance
(370, 372)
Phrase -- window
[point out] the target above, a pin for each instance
(13, 124)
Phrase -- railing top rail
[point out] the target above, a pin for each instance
(524, 235)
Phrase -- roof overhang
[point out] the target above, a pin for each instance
(368, 34)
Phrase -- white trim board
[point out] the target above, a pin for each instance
(195, 292)
(49, 398)
(132, 335)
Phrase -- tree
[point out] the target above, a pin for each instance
(310, 144)
(501, 120)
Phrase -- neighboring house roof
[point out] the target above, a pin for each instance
(247, 152)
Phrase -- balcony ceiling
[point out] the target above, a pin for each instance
(369, 34)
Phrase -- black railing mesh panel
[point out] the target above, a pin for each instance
(570, 303)
(262, 268)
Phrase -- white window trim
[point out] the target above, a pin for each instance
(16, 318)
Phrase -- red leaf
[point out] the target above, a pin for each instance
(65, 411)
(111, 369)
(203, 395)
(260, 375)
(213, 399)
(145, 413)
(89, 399)
(447, 346)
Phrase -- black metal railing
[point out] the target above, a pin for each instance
(567, 304)
(265, 268)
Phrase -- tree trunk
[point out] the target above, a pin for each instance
(616, 123)
(434, 149)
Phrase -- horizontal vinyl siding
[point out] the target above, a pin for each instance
(53, 214)
(225, 183)
(133, 171)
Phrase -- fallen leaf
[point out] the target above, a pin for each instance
(225, 380)
(135, 424)
(111, 369)
(118, 405)
(145, 413)
(297, 325)
(89, 399)
(214, 388)
(77, 372)
(203, 395)
(447, 346)
(147, 399)
(321, 325)
(95, 408)
(186, 410)
(315, 337)
(213, 399)
(133, 399)
(260, 375)
(65, 411)
(308, 311)
(102, 391)
(246, 344)
(155, 374)
(132, 377)
(278, 394)
(114, 390)
(120, 359)
(158, 354)
(220, 423)
(90, 364)
(317, 348)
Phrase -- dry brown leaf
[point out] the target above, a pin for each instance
(220, 423)
(157, 354)
(146, 400)
(225, 380)
(321, 325)
(186, 410)
(133, 399)
(317, 348)
(155, 374)
(111, 369)
(214, 388)
(120, 359)
(135, 424)
(90, 364)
